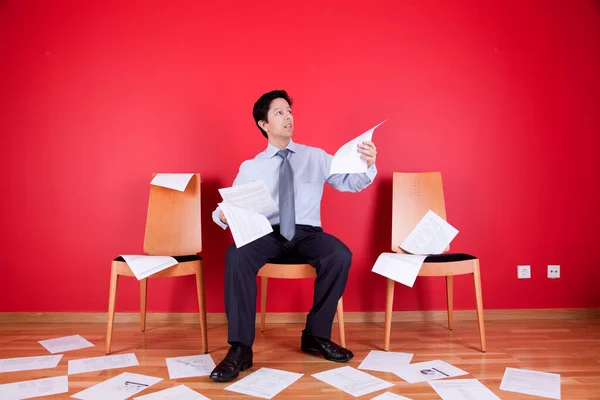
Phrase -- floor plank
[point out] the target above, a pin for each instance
(568, 347)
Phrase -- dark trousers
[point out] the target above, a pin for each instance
(330, 257)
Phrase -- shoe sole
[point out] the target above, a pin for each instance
(315, 352)
(242, 368)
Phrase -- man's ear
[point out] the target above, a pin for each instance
(263, 125)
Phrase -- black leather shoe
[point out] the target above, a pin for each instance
(325, 347)
(238, 358)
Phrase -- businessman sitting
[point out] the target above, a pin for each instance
(294, 175)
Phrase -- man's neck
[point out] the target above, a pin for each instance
(280, 143)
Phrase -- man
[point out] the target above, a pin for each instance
(294, 175)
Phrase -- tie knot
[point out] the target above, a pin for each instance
(283, 153)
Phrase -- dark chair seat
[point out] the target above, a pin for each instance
(180, 259)
(449, 257)
(290, 259)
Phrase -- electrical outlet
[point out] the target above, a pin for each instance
(524, 271)
(553, 271)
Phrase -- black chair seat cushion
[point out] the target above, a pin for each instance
(180, 259)
(449, 257)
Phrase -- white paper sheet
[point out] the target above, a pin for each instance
(246, 226)
(34, 388)
(264, 383)
(189, 366)
(29, 363)
(428, 371)
(101, 363)
(352, 381)
(347, 159)
(180, 392)
(384, 361)
(172, 181)
(402, 268)
(431, 235)
(390, 396)
(143, 266)
(462, 389)
(120, 387)
(67, 343)
(252, 196)
(535, 383)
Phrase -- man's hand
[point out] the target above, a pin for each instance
(368, 152)
(222, 217)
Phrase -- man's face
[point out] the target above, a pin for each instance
(280, 120)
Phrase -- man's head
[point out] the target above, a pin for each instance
(273, 114)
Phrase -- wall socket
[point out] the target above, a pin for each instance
(524, 271)
(553, 271)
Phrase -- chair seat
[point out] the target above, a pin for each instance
(449, 257)
(179, 259)
(292, 259)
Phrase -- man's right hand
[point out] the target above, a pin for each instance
(222, 217)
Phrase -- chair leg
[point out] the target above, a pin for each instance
(450, 297)
(112, 298)
(263, 302)
(202, 306)
(143, 293)
(340, 315)
(389, 301)
(479, 301)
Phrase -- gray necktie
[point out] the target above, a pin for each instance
(287, 210)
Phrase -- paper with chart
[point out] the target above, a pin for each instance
(67, 343)
(29, 363)
(352, 381)
(143, 266)
(390, 396)
(384, 361)
(180, 392)
(264, 383)
(101, 363)
(535, 383)
(172, 181)
(246, 226)
(35, 388)
(431, 235)
(120, 387)
(189, 366)
(462, 389)
(402, 268)
(347, 159)
(252, 196)
(428, 371)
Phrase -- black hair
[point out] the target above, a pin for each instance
(263, 104)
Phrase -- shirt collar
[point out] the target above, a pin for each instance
(272, 150)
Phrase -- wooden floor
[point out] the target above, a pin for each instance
(568, 347)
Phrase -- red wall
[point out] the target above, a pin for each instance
(501, 97)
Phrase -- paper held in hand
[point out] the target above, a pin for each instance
(246, 207)
(347, 159)
(432, 235)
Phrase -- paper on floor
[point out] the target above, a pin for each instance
(172, 181)
(29, 363)
(428, 371)
(384, 361)
(101, 363)
(120, 387)
(189, 366)
(390, 396)
(180, 392)
(352, 381)
(66, 343)
(34, 388)
(264, 383)
(402, 268)
(143, 266)
(462, 389)
(347, 159)
(535, 383)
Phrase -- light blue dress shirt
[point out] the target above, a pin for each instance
(311, 172)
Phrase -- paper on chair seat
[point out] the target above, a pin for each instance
(402, 268)
(172, 181)
(143, 266)
(431, 236)
(347, 159)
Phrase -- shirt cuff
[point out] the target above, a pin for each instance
(371, 172)
(217, 220)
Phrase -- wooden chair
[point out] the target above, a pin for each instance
(292, 271)
(413, 195)
(172, 228)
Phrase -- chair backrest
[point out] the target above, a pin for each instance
(173, 220)
(413, 195)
